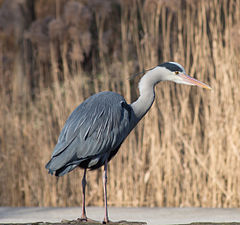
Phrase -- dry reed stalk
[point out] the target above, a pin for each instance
(185, 152)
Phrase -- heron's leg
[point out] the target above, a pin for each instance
(84, 217)
(106, 219)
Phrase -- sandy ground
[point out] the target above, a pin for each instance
(153, 216)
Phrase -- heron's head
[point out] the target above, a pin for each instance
(172, 71)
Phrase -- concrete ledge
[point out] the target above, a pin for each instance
(152, 216)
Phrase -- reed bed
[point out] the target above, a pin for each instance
(185, 152)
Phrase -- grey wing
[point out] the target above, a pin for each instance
(94, 129)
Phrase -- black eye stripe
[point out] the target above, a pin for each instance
(171, 66)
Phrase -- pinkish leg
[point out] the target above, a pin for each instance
(106, 219)
(84, 216)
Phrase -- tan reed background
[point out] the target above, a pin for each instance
(185, 152)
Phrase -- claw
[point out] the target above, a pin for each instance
(83, 219)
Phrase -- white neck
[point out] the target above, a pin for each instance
(146, 90)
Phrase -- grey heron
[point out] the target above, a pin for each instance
(95, 130)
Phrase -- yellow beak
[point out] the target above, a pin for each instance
(192, 81)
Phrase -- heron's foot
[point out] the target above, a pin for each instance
(83, 219)
(106, 220)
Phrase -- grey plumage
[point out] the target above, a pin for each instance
(92, 133)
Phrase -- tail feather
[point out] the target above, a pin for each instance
(49, 168)
(65, 170)
(57, 170)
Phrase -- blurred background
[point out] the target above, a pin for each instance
(54, 54)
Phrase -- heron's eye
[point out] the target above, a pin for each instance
(176, 72)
